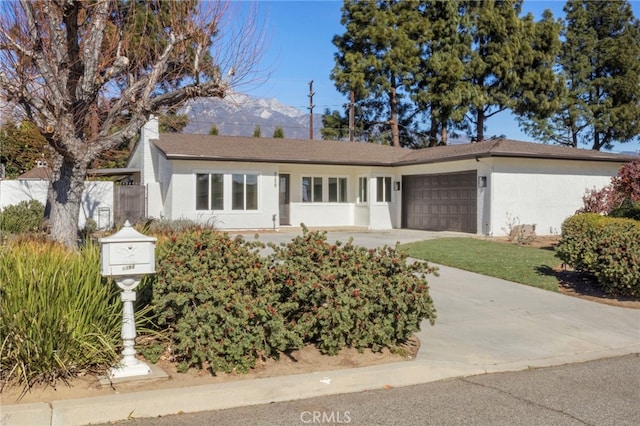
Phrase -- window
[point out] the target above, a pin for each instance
(312, 189)
(209, 191)
(337, 190)
(244, 192)
(383, 189)
(362, 190)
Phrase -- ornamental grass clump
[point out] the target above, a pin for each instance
(57, 316)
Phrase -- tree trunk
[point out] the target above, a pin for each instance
(444, 138)
(480, 126)
(65, 201)
(433, 131)
(395, 129)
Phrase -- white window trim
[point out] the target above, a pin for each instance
(227, 185)
(325, 189)
(367, 188)
(389, 198)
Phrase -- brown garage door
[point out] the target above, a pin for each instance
(440, 202)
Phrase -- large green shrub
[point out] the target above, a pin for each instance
(606, 247)
(217, 298)
(347, 295)
(26, 216)
(225, 305)
(57, 316)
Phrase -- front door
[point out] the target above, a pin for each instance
(284, 200)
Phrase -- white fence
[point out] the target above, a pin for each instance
(97, 198)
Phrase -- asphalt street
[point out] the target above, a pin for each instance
(601, 392)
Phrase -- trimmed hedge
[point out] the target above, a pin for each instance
(606, 247)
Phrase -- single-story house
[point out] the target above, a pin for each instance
(245, 183)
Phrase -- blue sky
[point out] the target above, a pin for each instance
(300, 50)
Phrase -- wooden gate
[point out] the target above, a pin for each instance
(129, 203)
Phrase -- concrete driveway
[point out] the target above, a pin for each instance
(361, 236)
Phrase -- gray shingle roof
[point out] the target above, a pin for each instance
(233, 148)
(507, 148)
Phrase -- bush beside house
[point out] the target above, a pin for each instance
(603, 239)
(605, 247)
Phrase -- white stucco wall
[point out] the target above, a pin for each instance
(97, 198)
(352, 213)
(181, 203)
(540, 192)
(178, 196)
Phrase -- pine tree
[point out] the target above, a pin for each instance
(440, 87)
(257, 133)
(278, 132)
(377, 57)
(213, 130)
(600, 64)
(503, 52)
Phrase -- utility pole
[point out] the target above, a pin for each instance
(352, 101)
(311, 109)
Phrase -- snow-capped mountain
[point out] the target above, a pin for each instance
(238, 115)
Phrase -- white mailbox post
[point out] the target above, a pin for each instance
(127, 255)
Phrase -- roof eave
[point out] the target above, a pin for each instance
(462, 157)
(276, 161)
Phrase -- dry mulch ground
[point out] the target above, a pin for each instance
(306, 360)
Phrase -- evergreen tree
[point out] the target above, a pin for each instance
(508, 58)
(335, 126)
(377, 57)
(600, 64)
(21, 146)
(440, 87)
(213, 130)
(257, 132)
(172, 122)
(278, 132)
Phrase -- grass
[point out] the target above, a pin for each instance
(521, 264)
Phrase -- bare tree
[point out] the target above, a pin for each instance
(89, 74)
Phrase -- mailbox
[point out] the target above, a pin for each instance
(127, 255)
(127, 252)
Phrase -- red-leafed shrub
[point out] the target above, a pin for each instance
(627, 183)
(621, 196)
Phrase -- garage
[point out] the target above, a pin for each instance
(440, 202)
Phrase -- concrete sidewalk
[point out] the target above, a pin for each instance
(484, 325)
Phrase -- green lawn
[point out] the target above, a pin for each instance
(521, 264)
